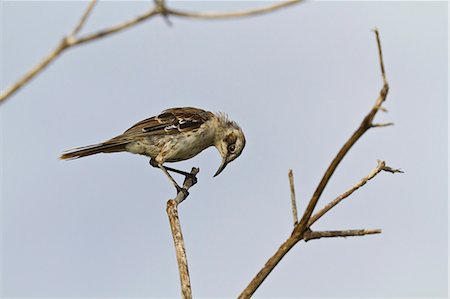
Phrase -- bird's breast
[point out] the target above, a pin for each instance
(173, 147)
(186, 146)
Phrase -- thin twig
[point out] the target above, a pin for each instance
(302, 227)
(115, 28)
(33, 72)
(392, 170)
(381, 165)
(175, 226)
(382, 125)
(312, 235)
(233, 14)
(293, 199)
(84, 18)
(63, 45)
(160, 9)
(380, 55)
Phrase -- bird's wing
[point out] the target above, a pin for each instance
(170, 121)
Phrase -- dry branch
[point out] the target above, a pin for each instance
(63, 44)
(172, 213)
(293, 199)
(160, 8)
(380, 167)
(312, 235)
(84, 18)
(233, 14)
(301, 230)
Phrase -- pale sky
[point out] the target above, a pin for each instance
(298, 81)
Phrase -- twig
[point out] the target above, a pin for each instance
(302, 227)
(382, 125)
(63, 44)
(83, 18)
(312, 235)
(293, 200)
(380, 55)
(392, 170)
(233, 14)
(160, 9)
(172, 213)
(33, 72)
(381, 166)
(116, 28)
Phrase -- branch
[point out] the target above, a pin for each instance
(172, 213)
(115, 28)
(233, 14)
(312, 235)
(302, 227)
(160, 8)
(380, 56)
(63, 44)
(365, 125)
(382, 125)
(84, 18)
(293, 200)
(380, 167)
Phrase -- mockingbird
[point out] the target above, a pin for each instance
(174, 135)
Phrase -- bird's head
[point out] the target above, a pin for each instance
(230, 141)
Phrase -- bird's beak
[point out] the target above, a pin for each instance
(222, 167)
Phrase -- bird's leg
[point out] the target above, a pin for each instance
(156, 164)
(186, 174)
(179, 189)
(178, 171)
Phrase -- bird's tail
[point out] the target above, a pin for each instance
(84, 151)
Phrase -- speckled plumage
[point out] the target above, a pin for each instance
(174, 135)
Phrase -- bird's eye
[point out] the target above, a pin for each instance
(231, 148)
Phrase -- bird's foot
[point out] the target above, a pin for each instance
(192, 177)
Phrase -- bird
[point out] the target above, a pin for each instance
(176, 134)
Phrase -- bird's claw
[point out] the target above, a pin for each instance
(192, 177)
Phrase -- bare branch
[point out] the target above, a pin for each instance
(33, 72)
(84, 18)
(381, 165)
(382, 125)
(293, 200)
(312, 235)
(302, 227)
(233, 14)
(268, 267)
(175, 226)
(380, 55)
(115, 28)
(64, 44)
(364, 126)
(392, 170)
(71, 39)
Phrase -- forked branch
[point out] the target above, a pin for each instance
(160, 8)
(302, 230)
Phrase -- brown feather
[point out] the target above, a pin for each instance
(92, 150)
(169, 122)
